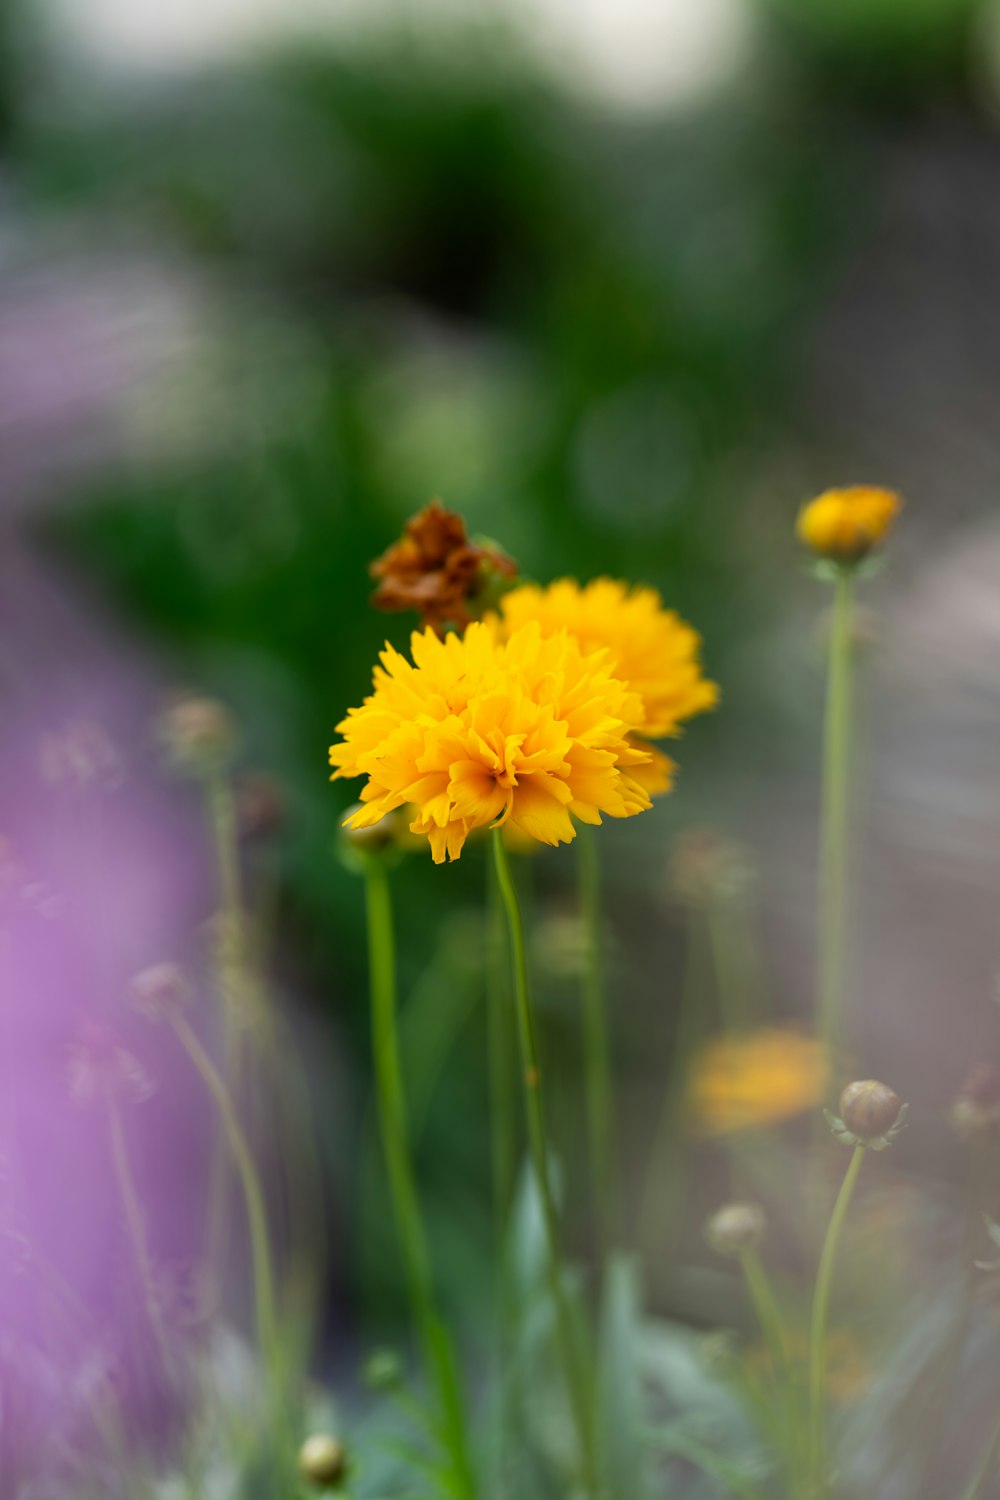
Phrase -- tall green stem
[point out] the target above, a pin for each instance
(835, 818)
(765, 1305)
(577, 1381)
(402, 1183)
(137, 1232)
(501, 1061)
(253, 1196)
(597, 1051)
(772, 1325)
(231, 972)
(818, 1327)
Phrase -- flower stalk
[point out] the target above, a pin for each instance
(438, 1352)
(820, 1319)
(253, 1194)
(503, 1146)
(597, 1050)
(137, 1232)
(835, 814)
(575, 1374)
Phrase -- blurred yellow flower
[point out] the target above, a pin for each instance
(758, 1078)
(844, 525)
(476, 731)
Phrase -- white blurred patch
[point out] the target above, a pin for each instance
(642, 54)
(638, 54)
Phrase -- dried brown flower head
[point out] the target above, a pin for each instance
(435, 570)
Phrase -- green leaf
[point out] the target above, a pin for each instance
(621, 1416)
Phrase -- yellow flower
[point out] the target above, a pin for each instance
(477, 731)
(741, 1080)
(844, 525)
(650, 648)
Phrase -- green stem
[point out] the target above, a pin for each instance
(835, 818)
(437, 1347)
(230, 976)
(772, 1325)
(820, 1314)
(765, 1305)
(253, 1196)
(577, 1381)
(501, 1061)
(137, 1232)
(597, 1050)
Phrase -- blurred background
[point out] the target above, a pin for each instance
(622, 281)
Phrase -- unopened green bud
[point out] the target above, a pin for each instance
(736, 1228)
(323, 1461)
(383, 1370)
(200, 736)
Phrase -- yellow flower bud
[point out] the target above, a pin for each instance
(323, 1461)
(843, 526)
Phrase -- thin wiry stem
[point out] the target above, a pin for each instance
(818, 1326)
(253, 1195)
(137, 1232)
(835, 812)
(597, 1050)
(437, 1346)
(503, 1144)
(577, 1380)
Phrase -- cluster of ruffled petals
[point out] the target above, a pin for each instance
(652, 650)
(478, 731)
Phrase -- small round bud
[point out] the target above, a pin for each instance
(199, 734)
(389, 838)
(159, 991)
(383, 1370)
(735, 1228)
(323, 1461)
(369, 838)
(843, 526)
(976, 1111)
(261, 805)
(869, 1109)
(706, 867)
(561, 945)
